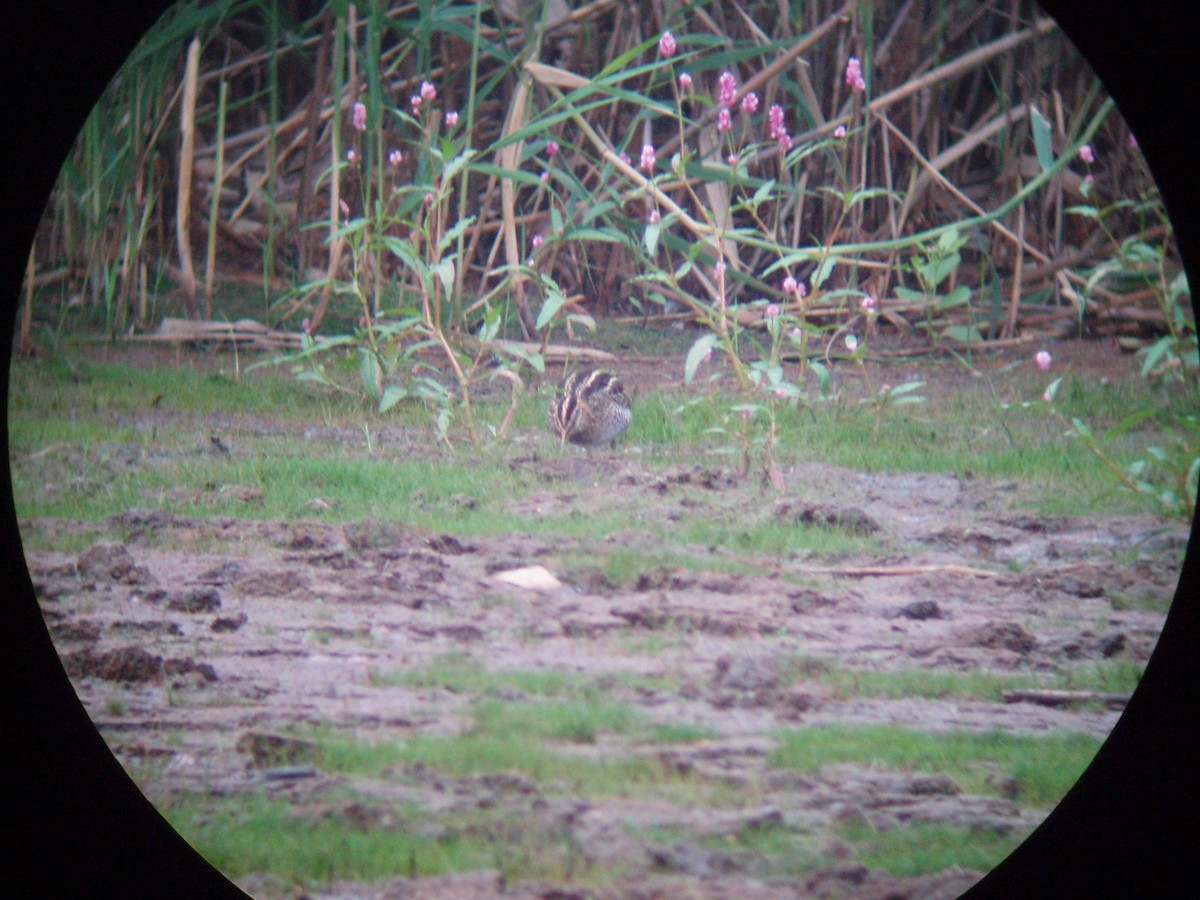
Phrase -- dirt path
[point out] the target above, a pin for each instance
(200, 644)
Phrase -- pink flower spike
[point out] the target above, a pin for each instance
(428, 91)
(545, 176)
(360, 117)
(1047, 397)
(724, 119)
(839, 132)
(647, 160)
(854, 76)
(552, 148)
(728, 86)
(775, 120)
(395, 157)
(452, 118)
(1087, 154)
(654, 217)
(1043, 360)
(790, 285)
(685, 83)
(666, 45)
(867, 304)
(415, 100)
(731, 159)
(785, 142)
(750, 103)
(772, 311)
(538, 240)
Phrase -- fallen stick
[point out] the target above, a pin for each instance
(1065, 698)
(887, 571)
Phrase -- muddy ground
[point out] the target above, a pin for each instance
(201, 643)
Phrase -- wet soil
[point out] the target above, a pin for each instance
(204, 645)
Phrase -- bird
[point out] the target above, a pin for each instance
(590, 407)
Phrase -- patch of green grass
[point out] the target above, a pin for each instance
(922, 849)
(1145, 600)
(1045, 767)
(256, 834)
(479, 752)
(924, 683)
(679, 733)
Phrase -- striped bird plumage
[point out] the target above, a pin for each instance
(590, 407)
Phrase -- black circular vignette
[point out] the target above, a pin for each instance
(75, 823)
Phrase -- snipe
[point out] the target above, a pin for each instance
(590, 407)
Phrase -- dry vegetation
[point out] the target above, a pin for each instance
(224, 160)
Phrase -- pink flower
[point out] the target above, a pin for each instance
(666, 44)
(839, 132)
(781, 393)
(545, 176)
(785, 142)
(1047, 397)
(775, 121)
(724, 119)
(428, 91)
(685, 83)
(395, 157)
(867, 304)
(1043, 360)
(624, 157)
(415, 100)
(790, 285)
(731, 159)
(1087, 154)
(552, 148)
(351, 156)
(452, 118)
(538, 240)
(345, 207)
(728, 86)
(647, 161)
(854, 76)
(750, 103)
(360, 117)
(747, 414)
(772, 311)
(654, 217)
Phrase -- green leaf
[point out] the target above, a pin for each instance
(455, 230)
(368, 370)
(823, 378)
(696, 354)
(823, 271)
(457, 164)
(445, 272)
(555, 300)
(491, 325)
(650, 239)
(1041, 139)
(393, 395)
